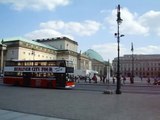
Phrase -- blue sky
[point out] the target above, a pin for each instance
(92, 23)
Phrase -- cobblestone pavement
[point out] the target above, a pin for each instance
(12, 115)
(79, 105)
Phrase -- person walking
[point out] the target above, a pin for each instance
(104, 78)
(85, 79)
(94, 78)
(124, 79)
(149, 81)
(113, 80)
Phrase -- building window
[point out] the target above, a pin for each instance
(67, 46)
(60, 46)
(12, 52)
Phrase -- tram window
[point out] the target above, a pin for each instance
(11, 74)
(50, 75)
(19, 74)
(11, 63)
(39, 64)
(51, 63)
(61, 64)
(44, 75)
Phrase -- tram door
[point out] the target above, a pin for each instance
(60, 80)
(26, 79)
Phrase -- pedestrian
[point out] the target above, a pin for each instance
(101, 78)
(113, 80)
(155, 81)
(89, 77)
(85, 79)
(124, 79)
(104, 79)
(75, 78)
(94, 78)
(89, 80)
(149, 81)
(131, 80)
(141, 78)
(79, 77)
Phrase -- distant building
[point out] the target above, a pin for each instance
(143, 65)
(98, 64)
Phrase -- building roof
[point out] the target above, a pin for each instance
(28, 41)
(93, 55)
(55, 39)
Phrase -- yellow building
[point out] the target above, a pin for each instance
(51, 49)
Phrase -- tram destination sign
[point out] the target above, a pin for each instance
(48, 69)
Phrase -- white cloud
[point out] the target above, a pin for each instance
(134, 24)
(56, 25)
(45, 33)
(35, 4)
(158, 31)
(85, 28)
(151, 20)
(109, 50)
(130, 24)
(60, 28)
(150, 49)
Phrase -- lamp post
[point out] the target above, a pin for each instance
(119, 21)
(132, 77)
(3, 47)
(79, 57)
(1, 57)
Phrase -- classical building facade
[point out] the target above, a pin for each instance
(50, 49)
(23, 49)
(60, 43)
(65, 47)
(139, 65)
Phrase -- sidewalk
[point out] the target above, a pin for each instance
(11, 115)
(127, 83)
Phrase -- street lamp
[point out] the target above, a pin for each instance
(132, 77)
(3, 47)
(119, 21)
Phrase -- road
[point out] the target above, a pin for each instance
(84, 102)
(128, 88)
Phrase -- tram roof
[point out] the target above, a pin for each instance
(15, 60)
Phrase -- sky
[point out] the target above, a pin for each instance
(92, 23)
